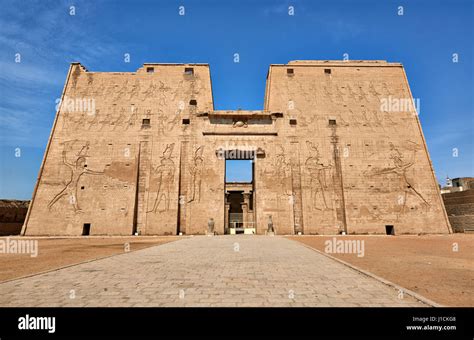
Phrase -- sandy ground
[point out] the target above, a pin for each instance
(59, 252)
(426, 265)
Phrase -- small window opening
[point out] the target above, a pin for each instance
(186, 121)
(327, 71)
(189, 71)
(150, 70)
(82, 188)
(86, 229)
(193, 102)
(293, 121)
(332, 122)
(389, 230)
(290, 71)
(146, 121)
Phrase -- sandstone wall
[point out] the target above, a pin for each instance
(145, 159)
(460, 209)
(369, 169)
(12, 216)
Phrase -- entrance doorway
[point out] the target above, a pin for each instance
(239, 197)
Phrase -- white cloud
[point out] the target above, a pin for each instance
(48, 39)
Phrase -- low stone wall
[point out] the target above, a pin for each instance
(460, 209)
(12, 216)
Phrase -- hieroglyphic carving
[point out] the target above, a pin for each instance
(132, 119)
(119, 118)
(317, 172)
(163, 177)
(373, 91)
(78, 168)
(121, 90)
(150, 91)
(195, 171)
(135, 90)
(187, 88)
(92, 120)
(105, 121)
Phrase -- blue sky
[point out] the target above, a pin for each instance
(48, 38)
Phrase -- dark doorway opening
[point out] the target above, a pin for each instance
(389, 230)
(86, 229)
(235, 199)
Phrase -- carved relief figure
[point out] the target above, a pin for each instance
(362, 95)
(373, 91)
(132, 119)
(317, 171)
(92, 120)
(135, 90)
(150, 90)
(121, 90)
(120, 120)
(400, 167)
(282, 170)
(78, 168)
(196, 173)
(105, 121)
(163, 174)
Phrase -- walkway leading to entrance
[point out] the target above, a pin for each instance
(207, 271)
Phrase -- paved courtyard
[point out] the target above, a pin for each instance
(207, 271)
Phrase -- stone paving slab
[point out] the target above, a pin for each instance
(219, 271)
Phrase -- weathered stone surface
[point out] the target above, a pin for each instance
(460, 209)
(143, 154)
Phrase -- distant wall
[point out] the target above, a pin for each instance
(460, 209)
(12, 215)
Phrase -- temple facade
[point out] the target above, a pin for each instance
(337, 148)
